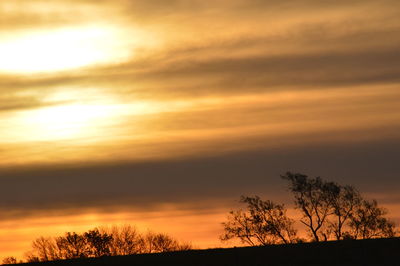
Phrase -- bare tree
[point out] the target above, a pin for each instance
(69, 246)
(72, 246)
(315, 198)
(331, 209)
(99, 244)
(125, 240)
(44, 249)
(344, 206)
(239, 226)
(368, 221)
(263, 223)
(164, 243)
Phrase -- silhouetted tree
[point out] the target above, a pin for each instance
(164, 243)
(332, 209)
(125, 240)
(263, 223)
(72, 246)
(315, 198)
(344, 206)
(99, 244)
(45, 249)
(368, 221)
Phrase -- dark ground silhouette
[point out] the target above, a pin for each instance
(369, 252)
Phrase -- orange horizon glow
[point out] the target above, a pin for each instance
(201, 229)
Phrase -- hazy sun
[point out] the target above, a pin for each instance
(66, 122)
(59, 49)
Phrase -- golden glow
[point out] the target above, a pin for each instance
(21, 234)
(79, 122)
(156, 128)
(65, 122)
(59, 50)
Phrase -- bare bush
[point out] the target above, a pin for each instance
(10, 260)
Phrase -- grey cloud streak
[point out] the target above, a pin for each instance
(140, 186)
(154, 9)
(62, 12)
(20, 103)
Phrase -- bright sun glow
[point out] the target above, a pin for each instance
(59, 50)
(80, 122)
(66, 122)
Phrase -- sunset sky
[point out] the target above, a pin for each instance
(161, 113)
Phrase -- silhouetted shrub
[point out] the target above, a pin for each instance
(10, 260)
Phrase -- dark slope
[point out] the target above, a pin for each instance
(343, 253)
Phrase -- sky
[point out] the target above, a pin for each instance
(163, 113)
